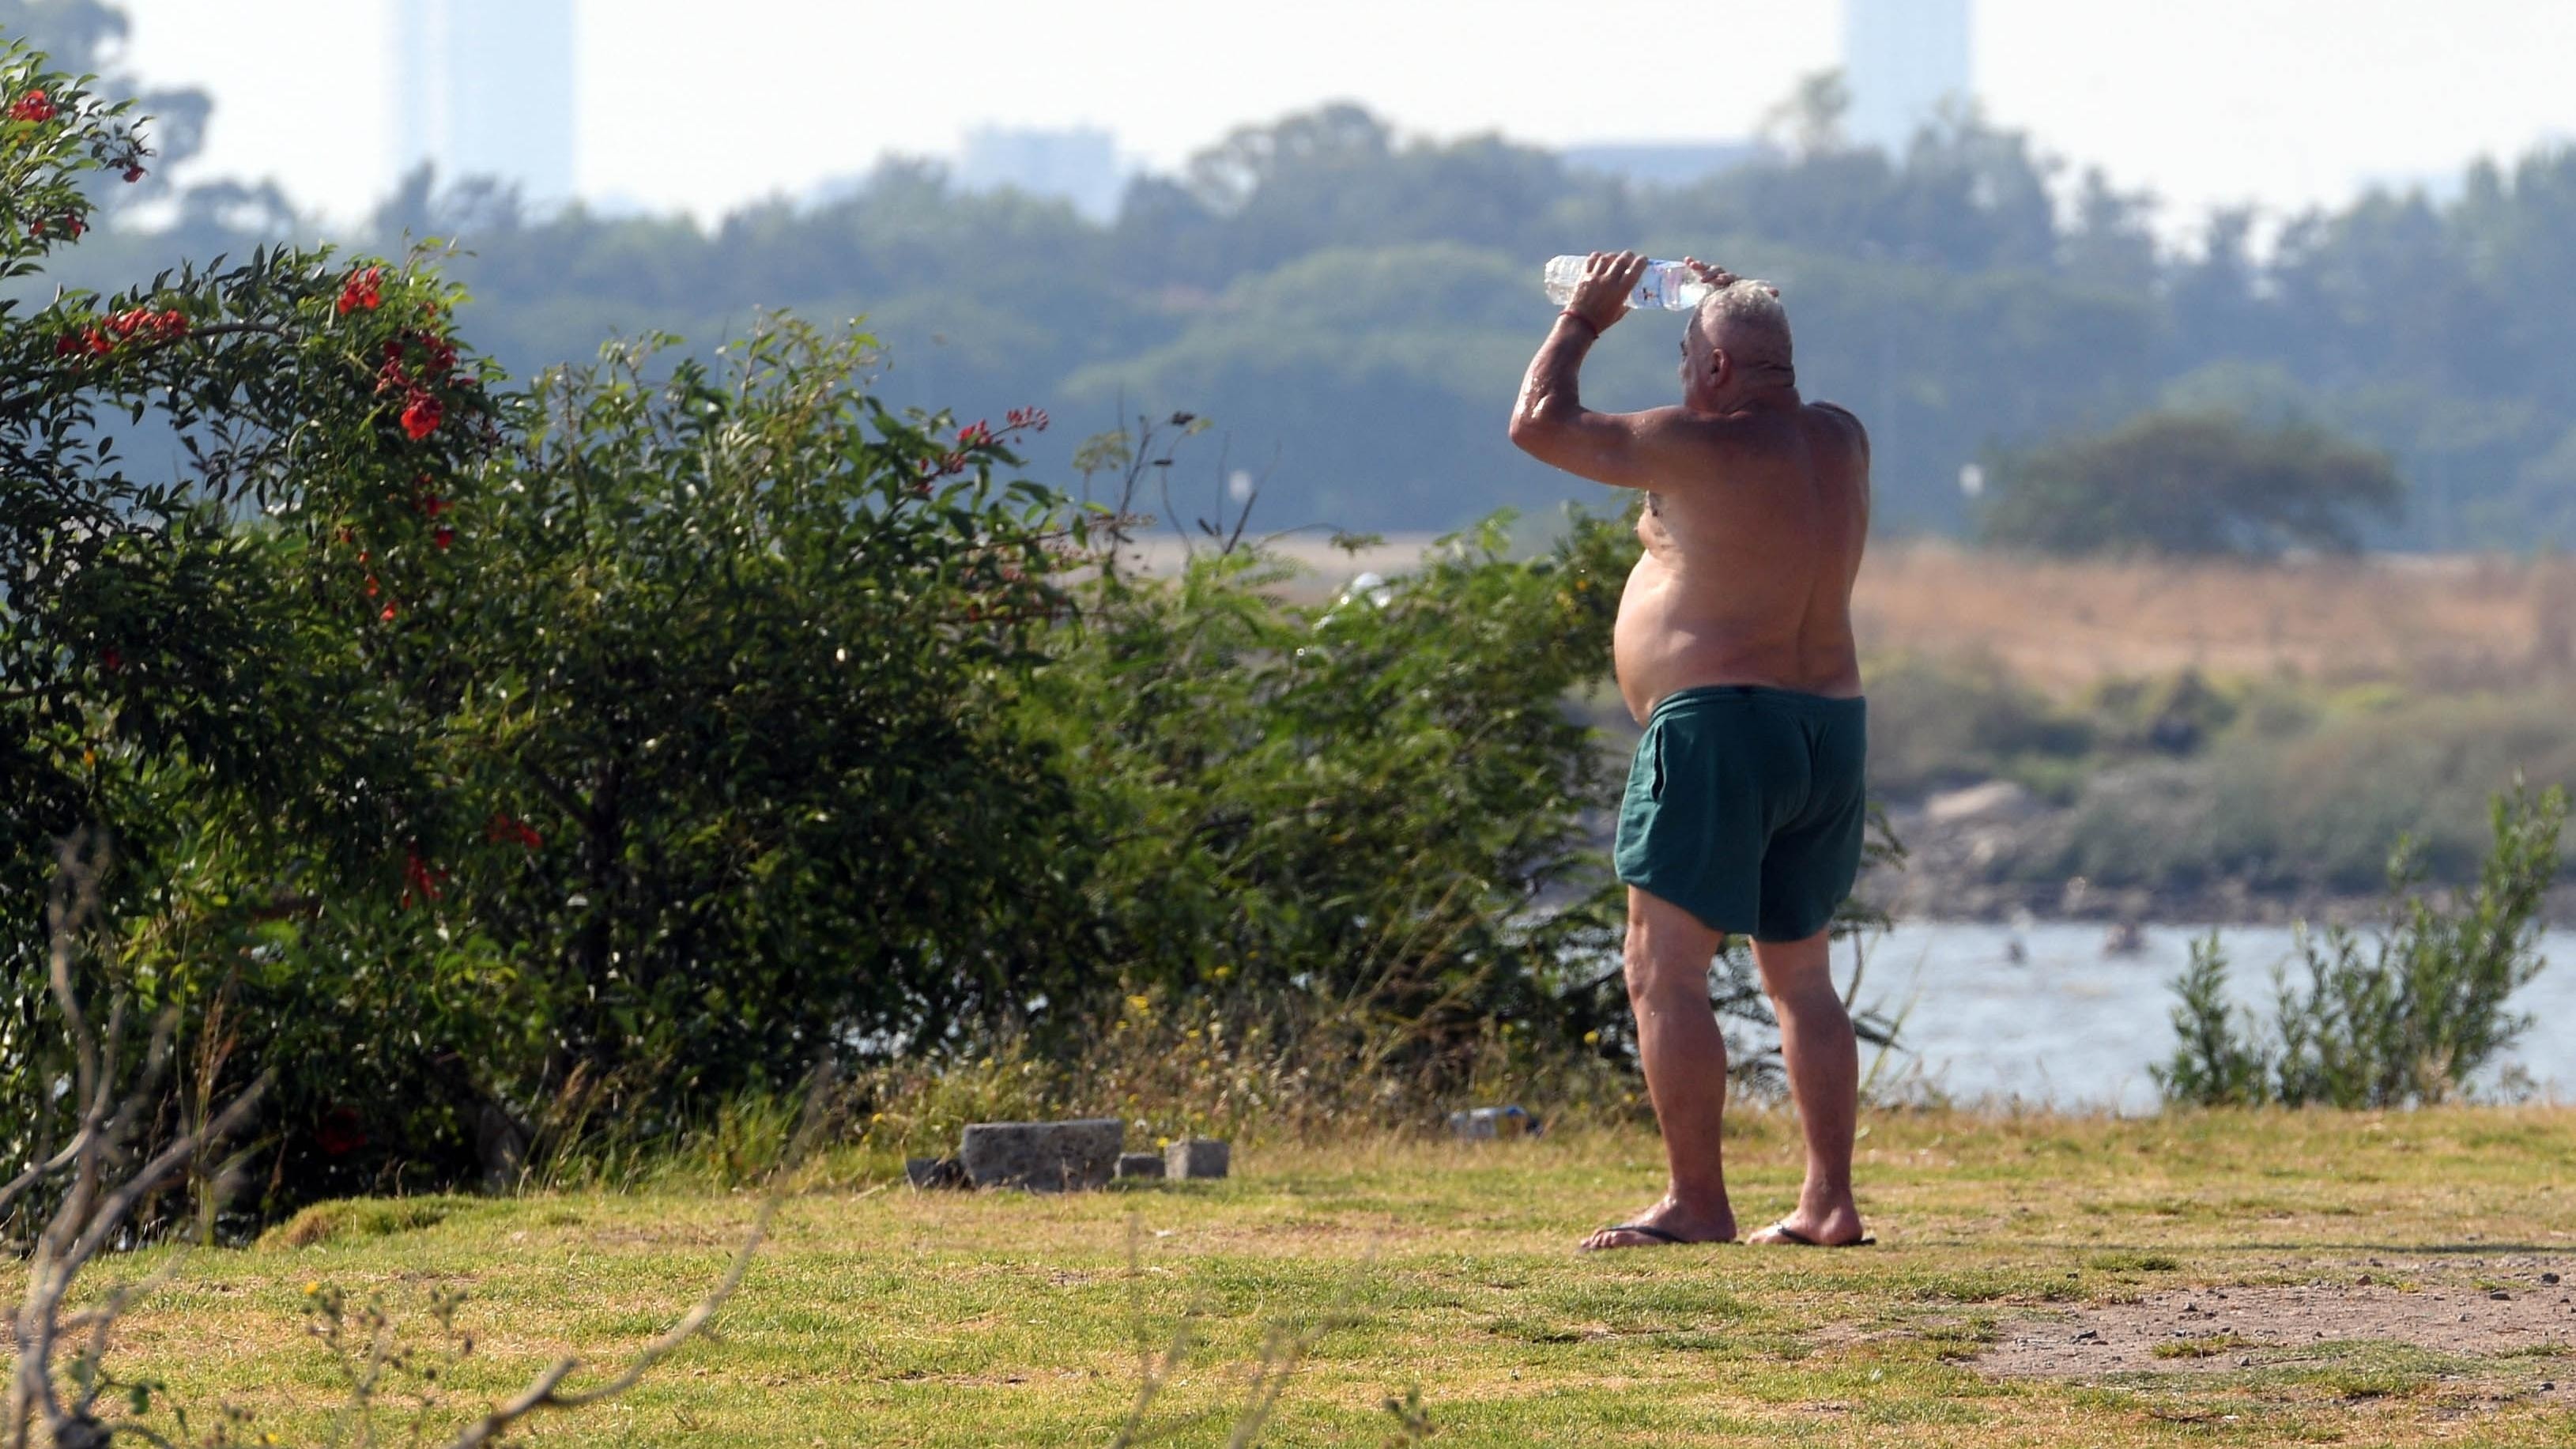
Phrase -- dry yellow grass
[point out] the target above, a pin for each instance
(2064, 624)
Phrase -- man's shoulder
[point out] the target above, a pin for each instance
(1840, 414)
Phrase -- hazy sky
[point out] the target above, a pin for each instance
(695, 104)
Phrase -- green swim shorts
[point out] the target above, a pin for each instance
(1746, 807)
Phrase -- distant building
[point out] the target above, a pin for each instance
(1664, 163)
(1079, 164)
(485, 88)
(1901, 60)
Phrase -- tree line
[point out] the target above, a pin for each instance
(1353, 306)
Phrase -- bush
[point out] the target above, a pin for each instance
(2410, 1020)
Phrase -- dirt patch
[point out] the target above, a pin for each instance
(2470, 1309)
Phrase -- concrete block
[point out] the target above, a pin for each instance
(929, 1173)
(1197, 1157)
(1140, 1164)
(1042, 1156)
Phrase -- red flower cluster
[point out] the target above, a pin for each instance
(422, 877)
(975, 434)
(503, 827)
(129, 325)
(70, 225)
(133, 172)
(1032, 418)
(421, 415)
(35, 105)
(164, 326)
(363, 289)
(422, 411)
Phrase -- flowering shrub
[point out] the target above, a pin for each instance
(212, 566)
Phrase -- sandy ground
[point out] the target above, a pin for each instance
(2506, 1304)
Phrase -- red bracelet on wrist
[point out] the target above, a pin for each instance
(1588, 324)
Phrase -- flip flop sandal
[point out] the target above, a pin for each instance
(1781, 1232)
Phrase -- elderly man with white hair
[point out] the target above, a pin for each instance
(1745, 806)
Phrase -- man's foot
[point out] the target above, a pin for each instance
(1666, 1224)
(1839, 1228)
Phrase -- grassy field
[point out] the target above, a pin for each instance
(882, 1316)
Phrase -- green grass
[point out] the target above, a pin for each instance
(880, 1316)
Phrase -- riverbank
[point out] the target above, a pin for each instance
(1999, 852)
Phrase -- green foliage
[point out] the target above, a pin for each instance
(2191, 483)
(730, 710)
(192, 658)
(2410, 1020)
(1378, 799)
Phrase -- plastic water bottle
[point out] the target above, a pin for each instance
(1668, 285)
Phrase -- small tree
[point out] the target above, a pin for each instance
(2191, 483)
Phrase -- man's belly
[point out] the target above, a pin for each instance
(1675, 633)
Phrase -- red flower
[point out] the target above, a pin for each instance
(35, 105)
(975, 434)
(373, 588)
(443, 537)
(441, 355)
(111, 659)
(73, 226)
(421, 416)
(422, 877)
(432, 505)
(66, 345)
(503, 827)
(388, 614)
(364, 289)
(133, 172)
(98, 341)
(1032, 418)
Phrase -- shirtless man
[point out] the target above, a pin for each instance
(1745, 809)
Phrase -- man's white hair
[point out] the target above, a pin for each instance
(1746, 316)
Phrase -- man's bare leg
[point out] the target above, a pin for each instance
(1684, 1055)
(1817, 1046)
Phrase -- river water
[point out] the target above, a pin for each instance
(2072, 1027)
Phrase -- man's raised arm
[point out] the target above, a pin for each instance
(1549, 421)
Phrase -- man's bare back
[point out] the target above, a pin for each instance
(1752, 539)
(1746, 806)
